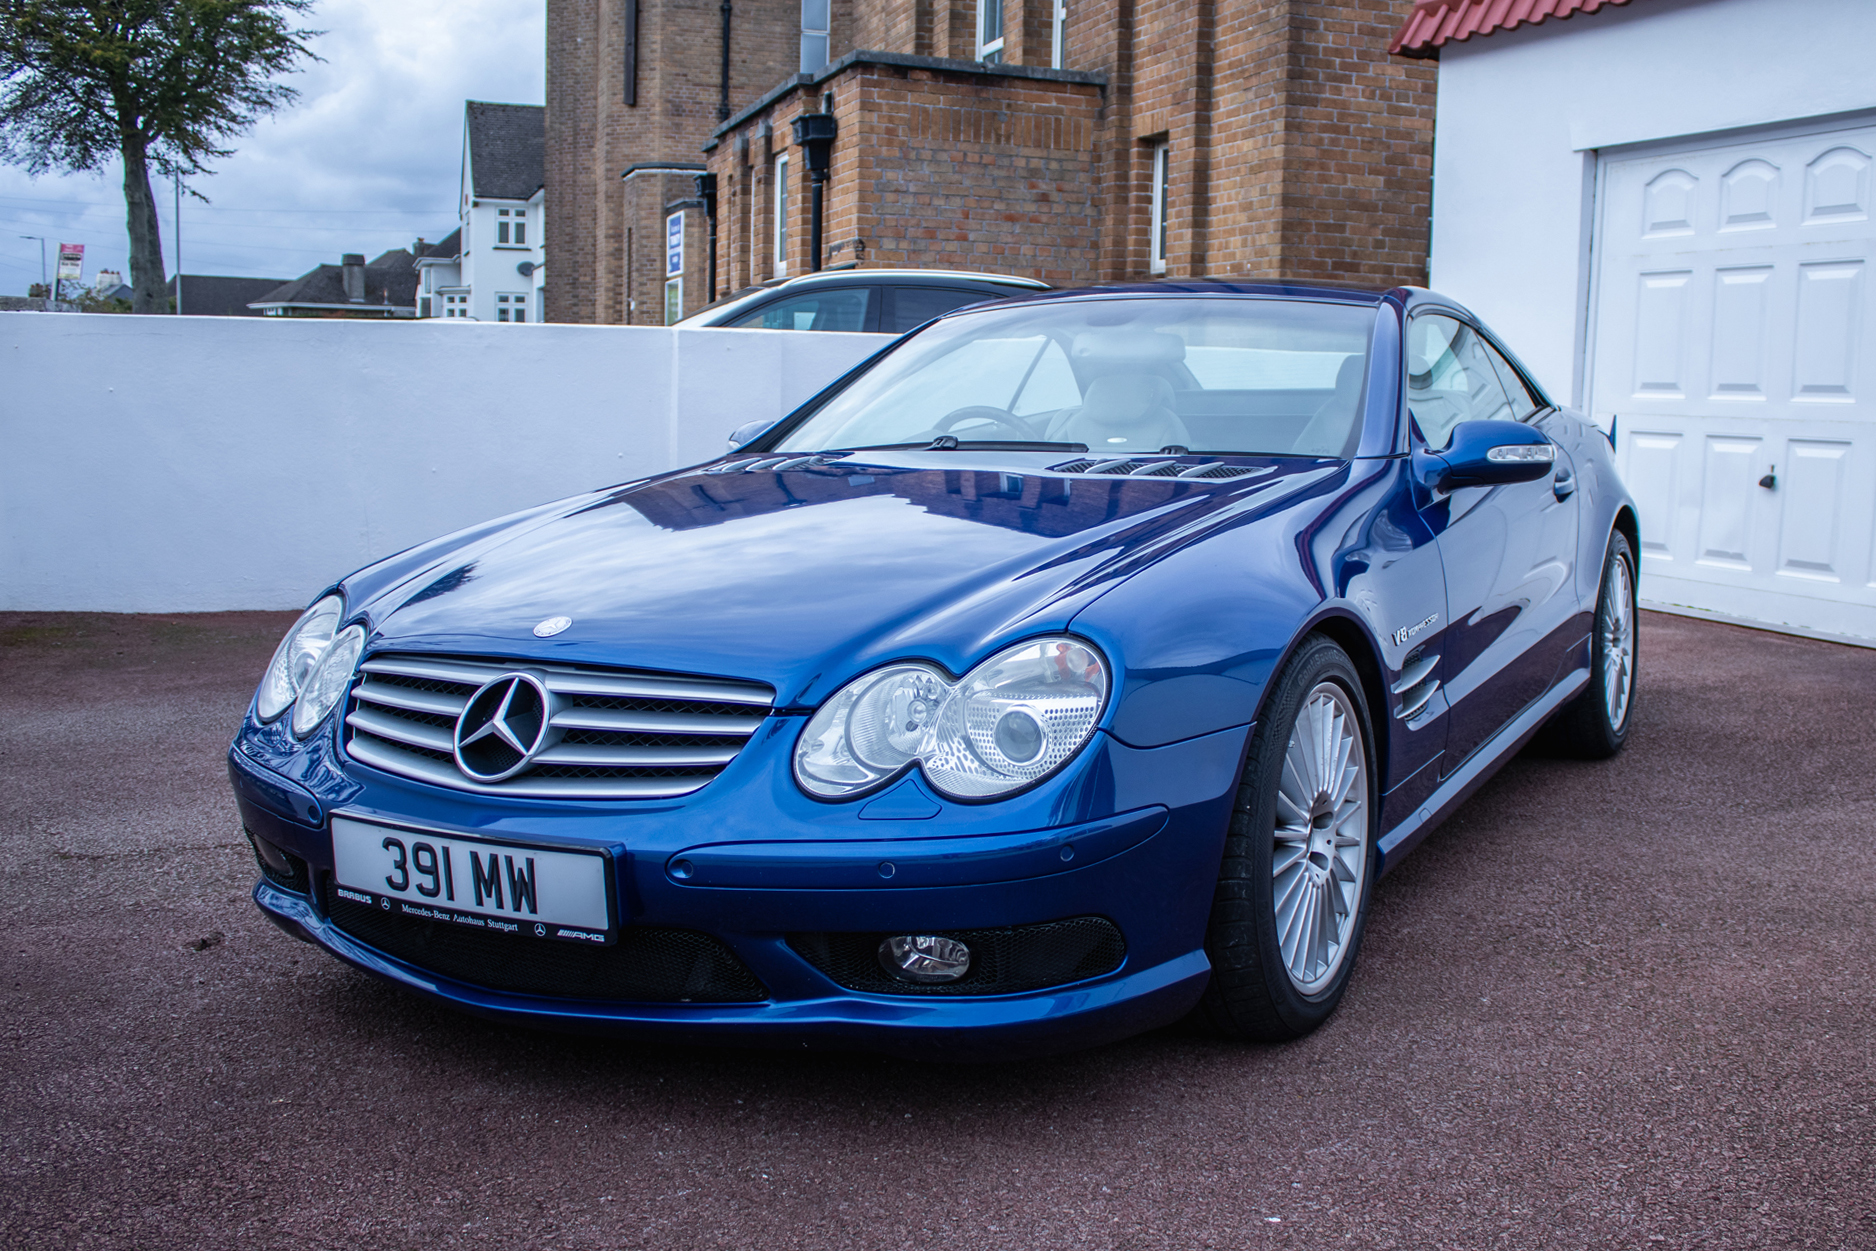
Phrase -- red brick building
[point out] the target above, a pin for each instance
(1074, 141)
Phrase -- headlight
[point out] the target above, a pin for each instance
(325, 686)
(1008, 723)
(298, 652)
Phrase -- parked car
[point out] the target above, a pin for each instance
(884, 301)
(1079, 663)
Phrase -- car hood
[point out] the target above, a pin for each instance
(803, 577)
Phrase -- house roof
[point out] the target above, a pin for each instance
(212, 295)
(448, 248)
(507, 149)
(1434, 23)
(390, 280)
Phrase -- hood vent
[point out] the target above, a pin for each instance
(777, 464)
(1128, 468)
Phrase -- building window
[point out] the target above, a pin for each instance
(511, 231)
(1058, 34)
(990, 30)
(673, 300)
(1162, 186)
(501, 225)
(511, 308)
(814, 28)
(781, 215)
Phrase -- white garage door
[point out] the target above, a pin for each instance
(1733, 334)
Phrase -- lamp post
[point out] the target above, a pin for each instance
(44, 280)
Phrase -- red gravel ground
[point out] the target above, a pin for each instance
(1614, 1005)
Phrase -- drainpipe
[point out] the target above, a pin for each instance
(723, 93)
(814, 132)
(707, 192)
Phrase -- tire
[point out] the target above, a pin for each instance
(1595, 724)
(1266, 985)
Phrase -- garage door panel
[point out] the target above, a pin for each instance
(1739, 325)
(1825, 348)
(1733, 331)
(1653, 479)
(1749, 196)
(1813, 503)
(1837, 187)
(1727, 501)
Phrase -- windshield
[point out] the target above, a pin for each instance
(1121, 376)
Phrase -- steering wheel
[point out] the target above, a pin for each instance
(1001, 418)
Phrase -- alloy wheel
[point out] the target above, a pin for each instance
(1320, 859)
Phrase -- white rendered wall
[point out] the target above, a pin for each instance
(1523, 112)
(175, 464)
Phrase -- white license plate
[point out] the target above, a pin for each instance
(510, 888)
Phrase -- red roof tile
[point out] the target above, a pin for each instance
(1434, 22)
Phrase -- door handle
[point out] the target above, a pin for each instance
(1563, 485)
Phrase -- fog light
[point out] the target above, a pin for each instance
(924, 958)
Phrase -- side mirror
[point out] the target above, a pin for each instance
(1486, 453)
(750, 430)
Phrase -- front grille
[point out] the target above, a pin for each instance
(1003, 961)
(613, 733)
(646, 964)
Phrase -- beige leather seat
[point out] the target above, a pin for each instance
(1334, 428)
(1123, 413)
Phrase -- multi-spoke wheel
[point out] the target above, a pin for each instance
(1293, 889)
(1595, 724)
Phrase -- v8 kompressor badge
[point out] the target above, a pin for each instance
(1406, 632)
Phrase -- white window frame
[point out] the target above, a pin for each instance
(815, 39)
(673, 299)
(779, 227)
(990, 48)
(1162, 186)
(1058, 34)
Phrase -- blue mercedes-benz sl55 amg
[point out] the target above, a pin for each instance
(1071, 666)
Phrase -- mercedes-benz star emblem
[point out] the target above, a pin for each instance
(503, 727)
(552, 626)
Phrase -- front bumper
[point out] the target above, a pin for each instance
(1151, 871)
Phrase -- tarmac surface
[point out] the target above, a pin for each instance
(1613, 1005)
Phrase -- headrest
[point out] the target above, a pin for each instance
(1348, 377)
(1114, 399)
(1127, 348)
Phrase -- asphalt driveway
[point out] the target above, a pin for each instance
(1616, 1005)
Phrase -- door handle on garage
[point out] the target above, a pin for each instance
(1563, 485)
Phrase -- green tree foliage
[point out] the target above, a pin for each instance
(163, 84)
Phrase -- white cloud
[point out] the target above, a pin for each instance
(369, 158)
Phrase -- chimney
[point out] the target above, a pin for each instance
(353, 264)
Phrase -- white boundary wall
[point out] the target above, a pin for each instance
(179, 464)
(1522, 114)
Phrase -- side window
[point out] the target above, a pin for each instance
(1450, 378)
(914, 306)
(1524, 405)
(844, 309)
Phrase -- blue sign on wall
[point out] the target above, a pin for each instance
(674, 245)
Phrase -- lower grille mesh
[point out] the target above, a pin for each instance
(646, 965)
(1003, 961)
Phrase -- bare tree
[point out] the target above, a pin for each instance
(161, 83)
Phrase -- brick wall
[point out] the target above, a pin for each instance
(1300, 150)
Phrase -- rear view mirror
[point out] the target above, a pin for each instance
(750, 430)
(1487, 453)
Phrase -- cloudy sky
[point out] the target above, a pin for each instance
(369, 158)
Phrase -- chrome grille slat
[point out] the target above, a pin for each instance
(626, 735)
(416, 733)
(625, 722)
(409, 764)
(411, 700)
(642, 757)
